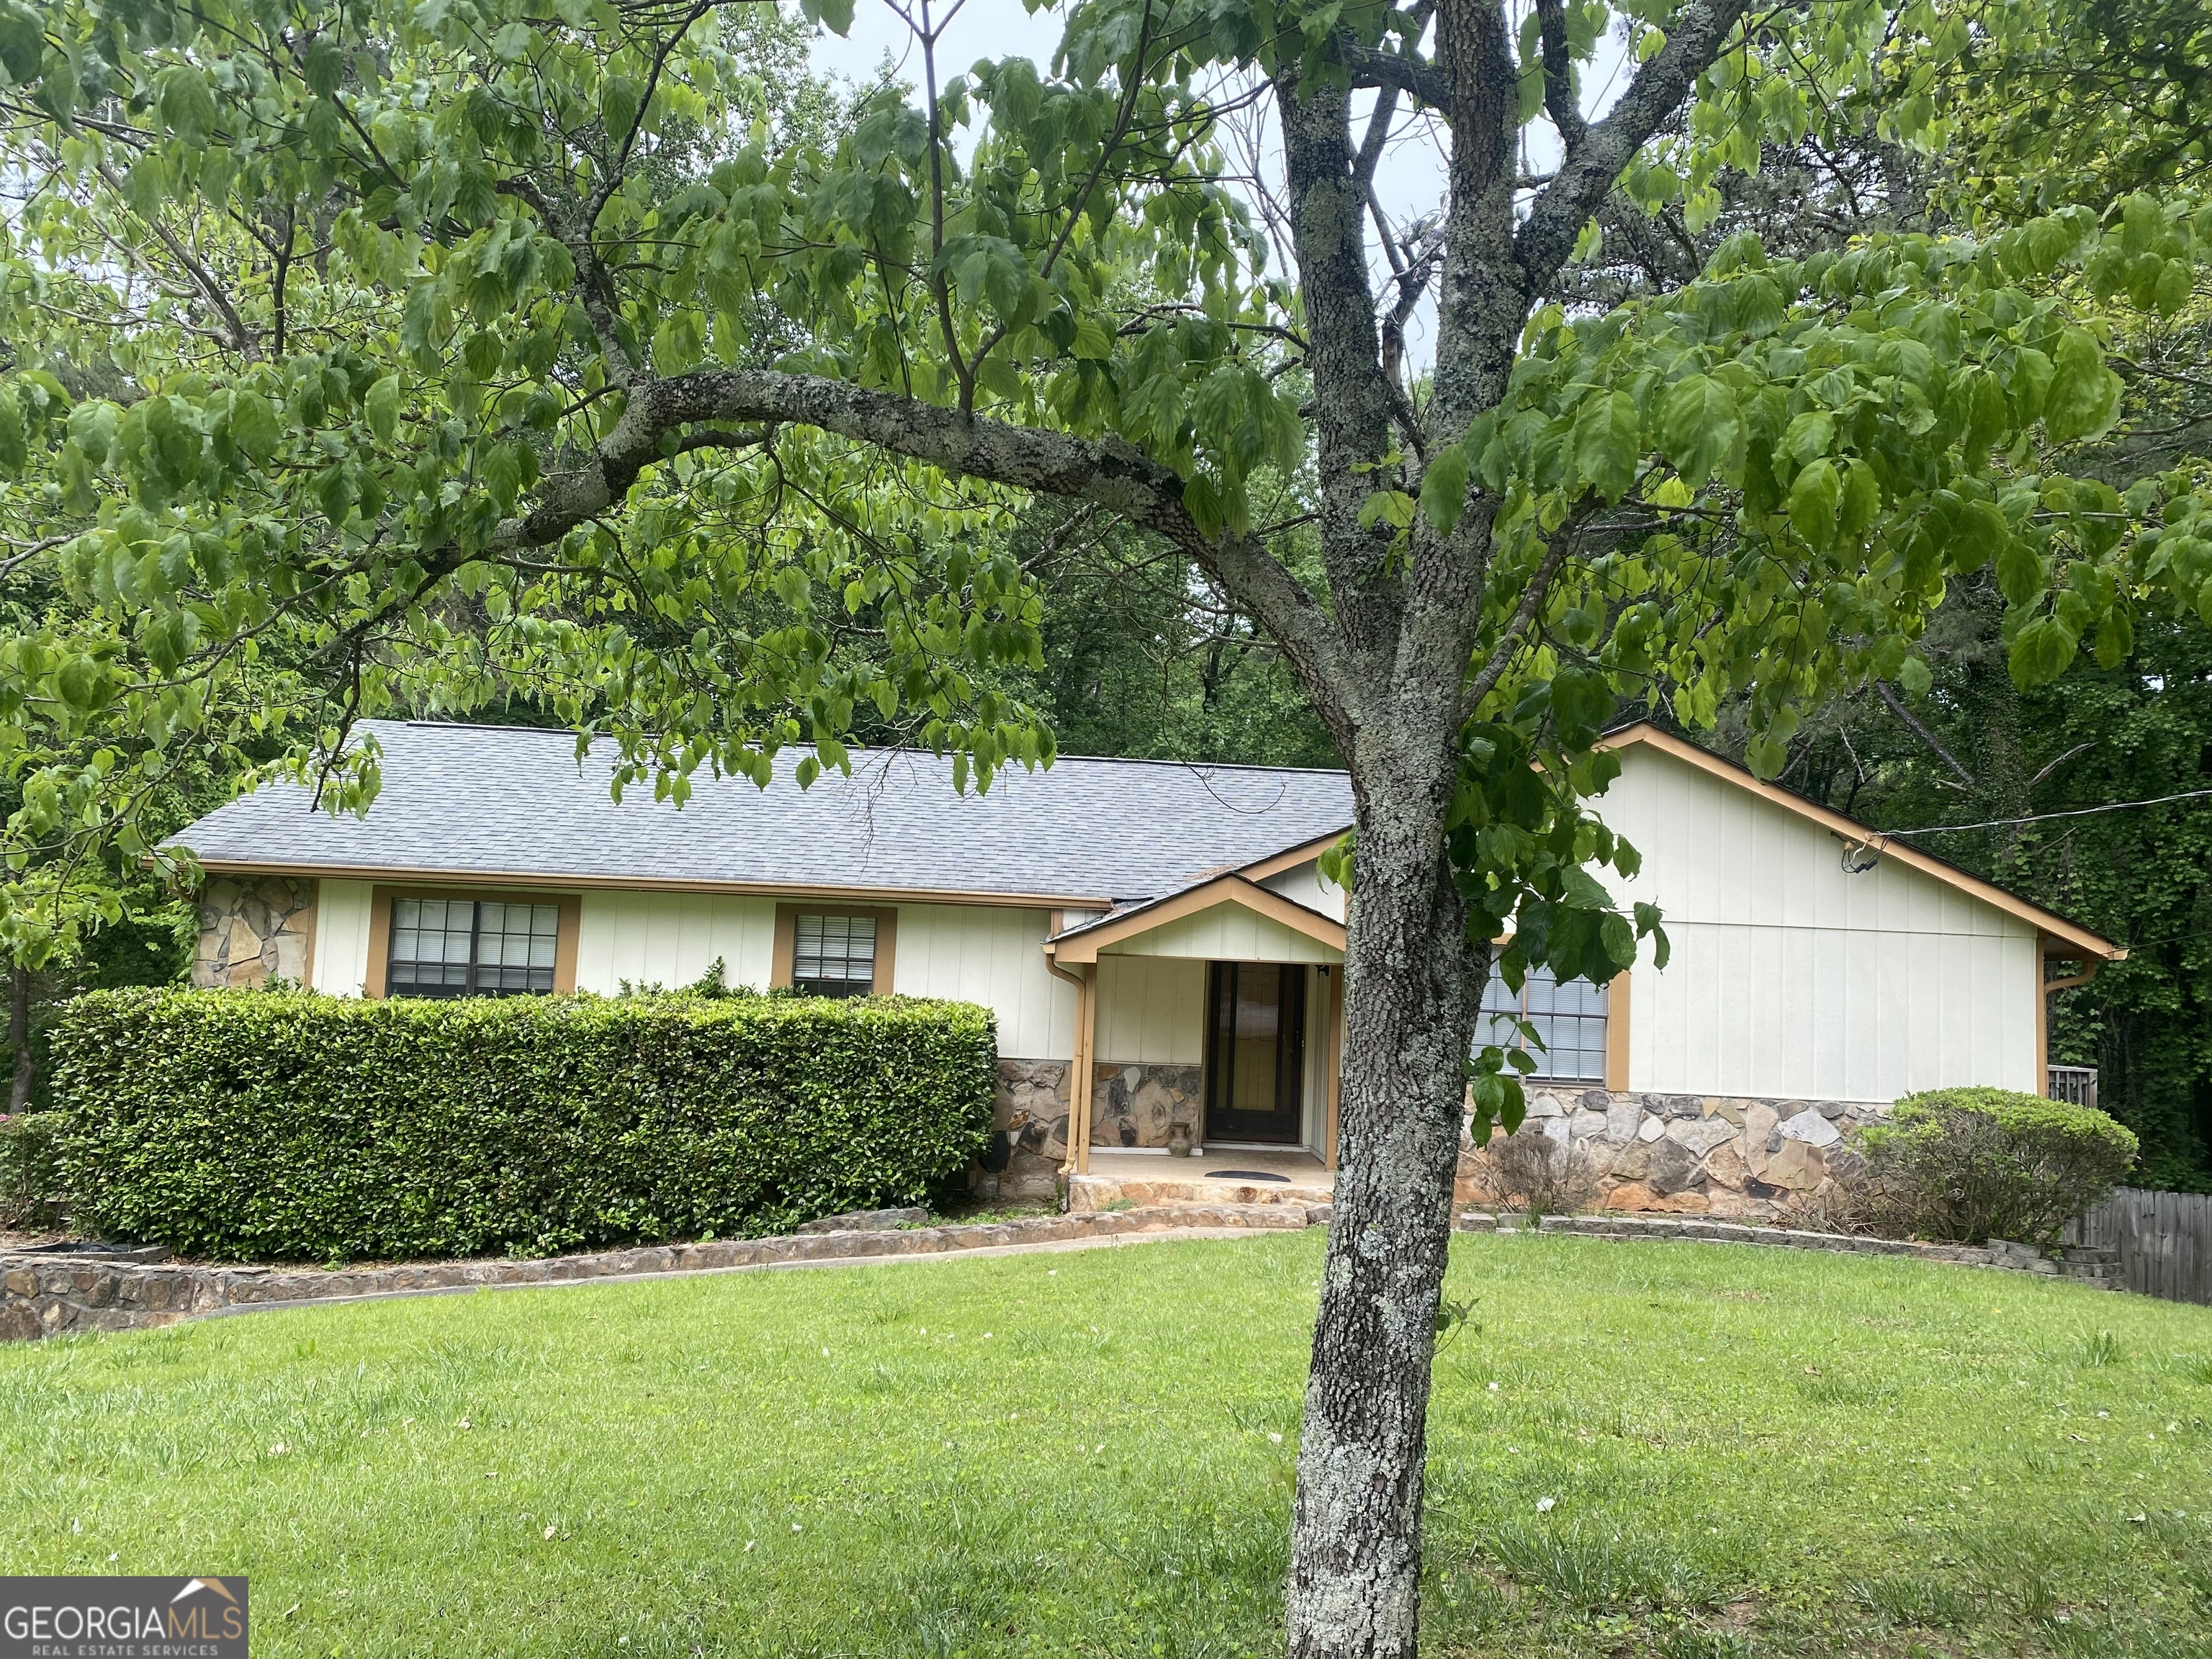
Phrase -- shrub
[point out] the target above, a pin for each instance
(30, 1183)
(252, 1124)
(1968, 1165)
(1529, 1170)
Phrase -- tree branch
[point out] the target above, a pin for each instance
(1911, 721)
(1405, 73)
(1559, 75)
(1107, 472)
(1562, 542)
(1556, 218)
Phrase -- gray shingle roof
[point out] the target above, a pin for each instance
(482, 801)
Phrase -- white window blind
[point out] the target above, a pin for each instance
(1569, 1018)
(834, 955)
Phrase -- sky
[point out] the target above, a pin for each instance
(1410, 181)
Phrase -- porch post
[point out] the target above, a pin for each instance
(1335, 1065)
(1078, 1102)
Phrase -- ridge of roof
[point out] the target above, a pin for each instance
(859, 752)
(2063, 928)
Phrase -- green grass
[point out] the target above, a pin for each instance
(1749, 1452)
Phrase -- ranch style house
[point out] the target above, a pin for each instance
(1162, 952)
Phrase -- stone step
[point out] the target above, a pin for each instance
(1087, 1193)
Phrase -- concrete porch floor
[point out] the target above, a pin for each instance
(1154, 1178)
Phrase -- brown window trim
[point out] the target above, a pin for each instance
(379, 927)
(786, 931)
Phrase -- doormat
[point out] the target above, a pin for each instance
(1245, 1175)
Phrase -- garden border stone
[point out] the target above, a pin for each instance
(49, 1296)
(2095, 1268)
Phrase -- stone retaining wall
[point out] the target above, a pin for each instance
(2090, 1267)
(1731, 1155)
(46, 1295)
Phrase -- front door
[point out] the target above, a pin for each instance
(1254, 1051)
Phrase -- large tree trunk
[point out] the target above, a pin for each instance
(1413, 985)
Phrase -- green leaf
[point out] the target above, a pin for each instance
(187, 106)
(1976, 533)
(1810, 436)
(325, 66)
(1443, 488)
(1913, 677)
(2085, 395)
(22, 43)
(1813, 498)
(1203, 502)
(14, 449)
(381, 406)
(1607, 443)
(1093, 342)
(836, 15)
(1702, 427)
(2020, 575)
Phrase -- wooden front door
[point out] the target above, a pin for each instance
(1256, 1049)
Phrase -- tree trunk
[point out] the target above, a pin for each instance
(19, 1035)
(1414, 983)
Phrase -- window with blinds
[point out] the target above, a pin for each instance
(833, 955)
(1569, 1018)
(472, 948)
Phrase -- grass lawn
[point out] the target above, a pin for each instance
(1748, 1452)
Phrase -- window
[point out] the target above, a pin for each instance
(1570, 1019)
(472, 948)
(834, 955)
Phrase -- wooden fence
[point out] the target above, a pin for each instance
(2165, 1241)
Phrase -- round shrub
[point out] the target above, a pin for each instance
(1967, 1165)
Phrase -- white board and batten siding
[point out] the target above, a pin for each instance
(1789, 978)
(672, 938)
(1152, 1010)
(994, 955)
(340, 964)
(1304, 884)
(990, 954)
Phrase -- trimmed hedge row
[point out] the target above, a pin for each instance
(273, 1125)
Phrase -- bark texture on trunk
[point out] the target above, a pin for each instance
(1414, 983)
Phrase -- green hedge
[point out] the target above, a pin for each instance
(1974, 1165)
(258, 1125)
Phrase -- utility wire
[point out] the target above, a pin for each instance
(2039, 818)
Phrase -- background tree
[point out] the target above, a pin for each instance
(485, 349)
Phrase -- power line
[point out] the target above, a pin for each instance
(2040, 817)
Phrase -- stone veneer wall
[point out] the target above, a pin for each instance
(254, 931)
(1032, 1112)
(1696, 1154)
(1133, 1105)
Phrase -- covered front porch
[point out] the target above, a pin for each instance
(1208, 1036)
